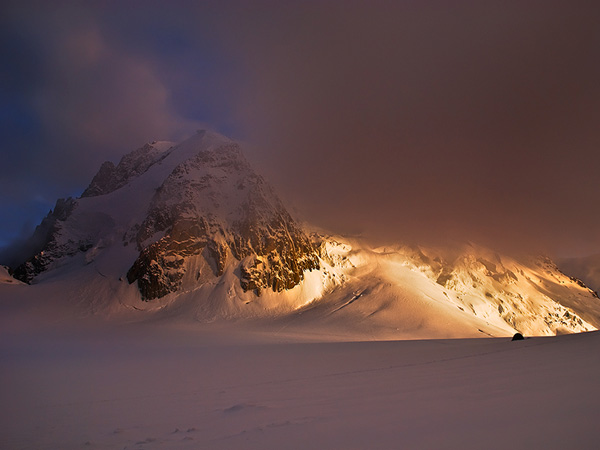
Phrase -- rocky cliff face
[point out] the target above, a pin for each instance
(46, 244)
(215, 204)
(110, 177)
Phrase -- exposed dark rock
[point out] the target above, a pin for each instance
(579, 282)
(44, 246)
(157, 270)
(517, 337)
(106, 180)
(110, 177)
(444, 277)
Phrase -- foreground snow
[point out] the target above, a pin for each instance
(156, 387)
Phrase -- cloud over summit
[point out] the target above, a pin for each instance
(422, 121)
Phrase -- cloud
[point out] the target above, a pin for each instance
(90, 100)
(411, 121)
(430, 121)
(98, 95)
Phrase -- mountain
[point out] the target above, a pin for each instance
(189, 231)
(187, 209)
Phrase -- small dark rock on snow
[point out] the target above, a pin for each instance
(517, 337)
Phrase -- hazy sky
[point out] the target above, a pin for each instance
(407, 120)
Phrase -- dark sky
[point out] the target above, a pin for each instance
(407, 121)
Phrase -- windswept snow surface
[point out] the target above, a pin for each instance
(153, 387)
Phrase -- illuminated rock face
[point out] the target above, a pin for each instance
(279, 254)
(215, 205)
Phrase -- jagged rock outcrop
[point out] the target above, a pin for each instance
(45, 244)
(110, 177)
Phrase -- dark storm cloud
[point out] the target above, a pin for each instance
(422, 121)
(84, 82)
(91, 100)
(431, 121)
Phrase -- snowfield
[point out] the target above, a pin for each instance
(157, 387)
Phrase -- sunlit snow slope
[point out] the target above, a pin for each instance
(418, 292)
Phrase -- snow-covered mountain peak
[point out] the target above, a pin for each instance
(214, 203)
(110, 177)
(137, 162)
(194, 206)
(201, 141)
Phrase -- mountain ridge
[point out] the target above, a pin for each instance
(189, 229)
